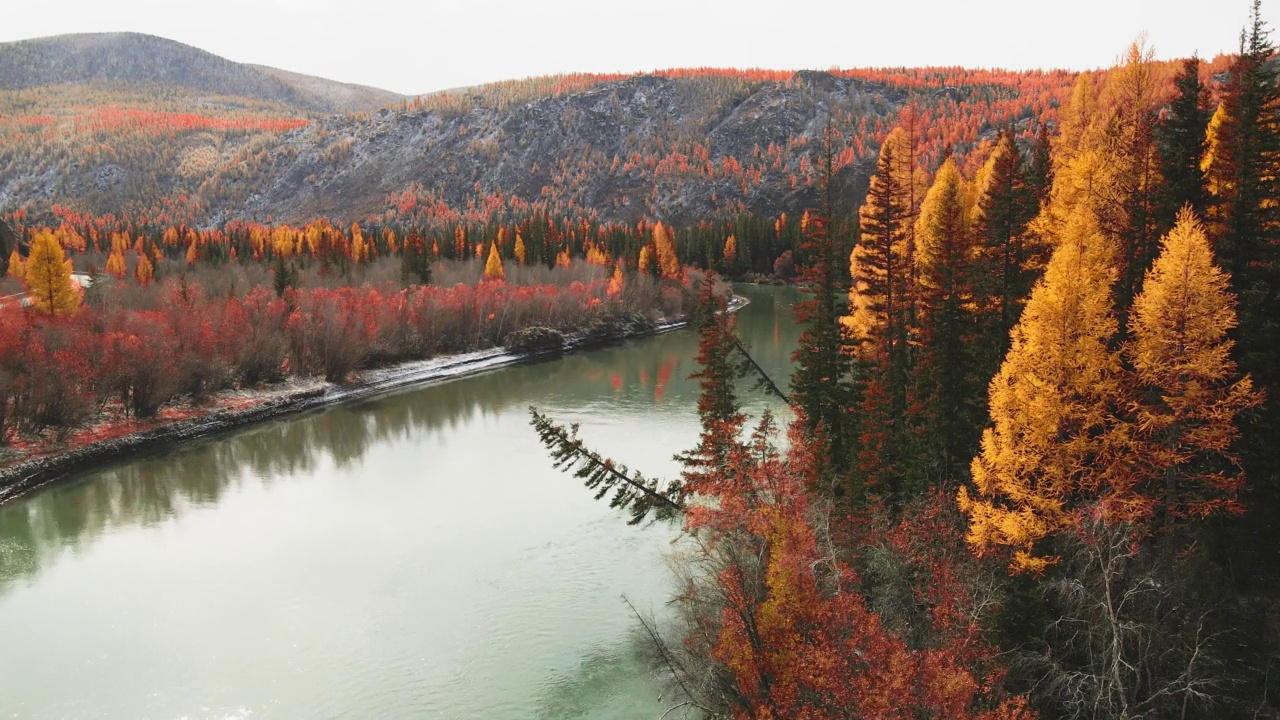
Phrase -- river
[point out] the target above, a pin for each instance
(410, 556)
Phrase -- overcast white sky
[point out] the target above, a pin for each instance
(414, 47)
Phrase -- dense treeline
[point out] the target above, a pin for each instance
(116, 245)
(1032, 470)
(125, 347)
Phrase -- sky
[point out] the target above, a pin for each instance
(417, 47)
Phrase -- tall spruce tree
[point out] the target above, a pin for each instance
(1008, 257)
(719, 368)
(946, 386)
(822, 382)
(1040, 165)
(1243, 165)
(1180, 138)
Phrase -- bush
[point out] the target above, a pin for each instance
(536, 339)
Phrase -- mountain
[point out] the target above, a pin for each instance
(136, 59)
(199, 139)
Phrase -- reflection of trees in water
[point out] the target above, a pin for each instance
(151, 490)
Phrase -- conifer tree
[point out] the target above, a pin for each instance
(665, 251)
(283, 275)
(1131, 157)
(146, 270)
(718, 371)
(415, 262)
(1009, 260)
(519, 251)
(493, 271)
(1051, 405)
(730, 253)
(882, 315)
(1040, 166)
(822, 382)
(1192, 392)
(17, 266)
(1243, 161)
(1181, 141)
(48, 277)
(115, 264)
(945, 374)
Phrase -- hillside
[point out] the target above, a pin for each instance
(338, 96)
(680, 145)
(136, 59)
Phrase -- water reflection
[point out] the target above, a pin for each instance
(639, 377)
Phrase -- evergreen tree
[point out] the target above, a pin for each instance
(718, 371)
(821, 384)
(1008, 258)
(415, 261)
(947, 387)
(283, 276)
(1243, 161)
(1040, 166)
(1180, 138)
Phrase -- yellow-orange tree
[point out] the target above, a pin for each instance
(48, 277)
(664, 247)
(115, 263)
(145, 271)
(493, 266)
(1053, 437)
(519, 251)
(1191, 391)
(17, 266)
(1147, 443)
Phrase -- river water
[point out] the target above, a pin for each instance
(411, 556)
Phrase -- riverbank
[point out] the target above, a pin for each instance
(224, 412)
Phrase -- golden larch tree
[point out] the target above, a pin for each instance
(1191, 391)
(48, 277)
(145, 270)
(646, 259)
(493, 271)
(519, 250)
(1054, 433)
(617, 282)
(17, 266)
(115, 264)
(664, 246)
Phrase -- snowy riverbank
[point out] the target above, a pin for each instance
(47, 464)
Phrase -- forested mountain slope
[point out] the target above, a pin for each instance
(679, 145)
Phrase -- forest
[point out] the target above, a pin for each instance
(1029, 468)
(1032, 469)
